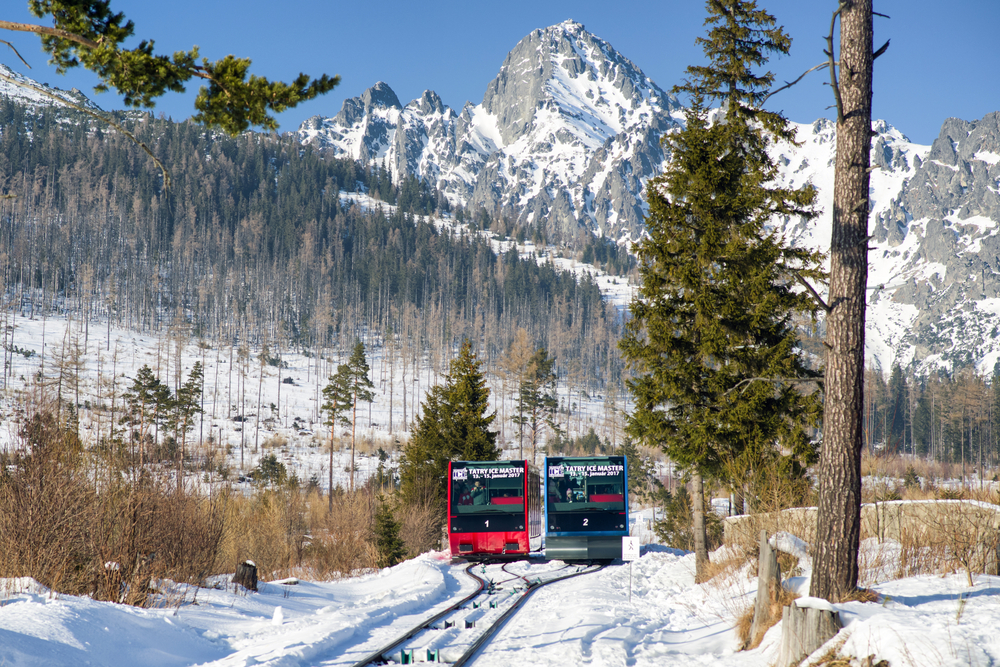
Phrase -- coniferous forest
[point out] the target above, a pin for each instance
(251, 243)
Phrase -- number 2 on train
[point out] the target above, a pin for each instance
(586, 522)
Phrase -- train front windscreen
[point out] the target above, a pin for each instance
(586, 494)
(487, 496)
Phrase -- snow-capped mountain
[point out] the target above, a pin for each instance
(30, 95)
(566, 136)
(568, 133)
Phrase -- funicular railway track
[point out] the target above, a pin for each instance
(498, 600)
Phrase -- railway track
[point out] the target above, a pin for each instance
(458, 633)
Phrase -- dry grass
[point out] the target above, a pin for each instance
(106, 537)
(93, 523)
(420, 528)
(292, 532)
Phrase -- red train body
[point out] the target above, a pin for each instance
(494, 508)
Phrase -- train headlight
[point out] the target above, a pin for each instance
(520, 527)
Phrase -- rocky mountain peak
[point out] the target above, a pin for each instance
(566, 67)
(379, 96)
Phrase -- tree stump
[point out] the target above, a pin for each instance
(768, 588)
(806, 624)
(246, 575)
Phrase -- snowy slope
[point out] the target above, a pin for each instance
(896, 160)
(29, 92)
(589, 620)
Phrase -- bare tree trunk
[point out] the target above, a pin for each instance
(330, 494)
(698, 528)
(835, 572)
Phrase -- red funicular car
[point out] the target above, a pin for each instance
(494, 508)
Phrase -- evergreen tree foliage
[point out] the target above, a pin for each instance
(148, 402)
(898, 398)
(271, 471)
(184, 406)
(352, 386)
(642, 480)
(338, 402)
(676, 528)
(454, 426)
(389, 544)
(187, 403)
(713, 337)
(536, 400)
(87, 33)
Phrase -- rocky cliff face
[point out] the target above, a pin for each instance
(566, 136)
(939, 236)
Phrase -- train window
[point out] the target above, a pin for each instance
(585, 483)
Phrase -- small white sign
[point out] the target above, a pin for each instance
(630, 548)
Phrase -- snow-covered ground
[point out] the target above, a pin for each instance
(288, 422)
(593, 620)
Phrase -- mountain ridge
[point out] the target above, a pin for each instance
(569, 132)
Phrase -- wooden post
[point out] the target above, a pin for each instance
(246, 575)
(804, 629)
(768, 588)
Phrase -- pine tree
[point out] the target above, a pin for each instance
(338, 403)
(87, 33)
(359, 387)
(147, 404)
(454, 426)
(838, 527)
(186, 404)
(712, 342)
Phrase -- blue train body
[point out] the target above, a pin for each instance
(586, 507)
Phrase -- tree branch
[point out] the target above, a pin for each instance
(789, 85)
(51, 32)
(4, 41)
(882, 49)
(774, 380)
(812, 290)
(105, 119)
(833, 64)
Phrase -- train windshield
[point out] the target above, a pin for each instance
(586, 483)
(483, 487)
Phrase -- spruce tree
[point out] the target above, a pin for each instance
(712, 342)
(454, 425)
(537, 403)
(389, 544)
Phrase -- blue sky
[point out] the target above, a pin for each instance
(942, 61)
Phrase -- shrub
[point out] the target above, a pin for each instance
(675, 529)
